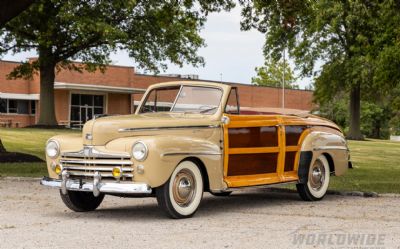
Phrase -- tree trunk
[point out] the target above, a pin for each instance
(376, 131)
(2, 149)
(355, 131)
(47, 115)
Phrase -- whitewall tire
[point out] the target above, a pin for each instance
(317, 182)
(181, 195)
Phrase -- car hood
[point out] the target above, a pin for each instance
(105, 129)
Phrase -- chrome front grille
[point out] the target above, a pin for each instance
(83, 164)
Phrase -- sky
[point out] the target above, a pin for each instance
(231, 54)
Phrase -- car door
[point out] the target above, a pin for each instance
(253, 150)
(262, 149)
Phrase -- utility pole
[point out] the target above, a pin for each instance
(283, 79)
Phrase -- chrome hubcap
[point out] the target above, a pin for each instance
(184, 187)
(317, 175)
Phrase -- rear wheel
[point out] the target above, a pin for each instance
(180, 196)
(81, 201)
(317, 182)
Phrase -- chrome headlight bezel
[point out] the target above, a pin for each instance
(139, 151)
(55, 147)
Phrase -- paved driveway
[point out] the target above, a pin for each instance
(32, 216)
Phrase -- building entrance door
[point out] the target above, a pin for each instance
(86, 113)
(84, 107)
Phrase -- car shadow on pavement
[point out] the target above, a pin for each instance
(242, 201)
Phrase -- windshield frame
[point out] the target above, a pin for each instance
(177, 96)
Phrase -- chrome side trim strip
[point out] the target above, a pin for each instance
(169, 128)
(104, 187)
(206, 153)
(330, 148)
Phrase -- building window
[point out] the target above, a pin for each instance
(3, 106)
(33, 107)
(12, 106)
(84, 107)
(15, 106)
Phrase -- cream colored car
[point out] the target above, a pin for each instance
(189, 137)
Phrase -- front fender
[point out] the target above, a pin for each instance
(70, 142)
(165, 153)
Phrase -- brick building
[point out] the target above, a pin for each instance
(79, 96)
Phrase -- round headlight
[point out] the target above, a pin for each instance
(139, 151)
(52, 149)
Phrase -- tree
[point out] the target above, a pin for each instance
(89, 30)
(11, 8)
(343, 34)
(271, 74)
(8, 10)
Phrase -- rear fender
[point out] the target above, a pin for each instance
(331, 145)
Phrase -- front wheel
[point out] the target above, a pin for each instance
(81, 201)
(317, 182)
(180, 196)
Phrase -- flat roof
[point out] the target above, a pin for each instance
(100, 88)
(21, 96)
(218, 81)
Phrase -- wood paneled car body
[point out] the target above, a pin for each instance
(189, 137)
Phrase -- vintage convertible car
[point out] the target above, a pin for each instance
(189, 137)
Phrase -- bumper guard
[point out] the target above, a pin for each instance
(96, 186)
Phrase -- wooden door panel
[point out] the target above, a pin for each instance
(293, 139)
(293, 133)
(245, 137)
(251, 150)
(261, 149)
(252, 164)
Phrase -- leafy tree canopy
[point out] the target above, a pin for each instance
(89, 30)
(358, 42)
(271, 74)
(10, 9)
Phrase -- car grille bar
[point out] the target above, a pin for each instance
(83, 165)
(97, 162)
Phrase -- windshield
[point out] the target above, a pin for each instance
(187, 99)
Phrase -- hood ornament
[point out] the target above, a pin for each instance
(87, 151)
(89, 136)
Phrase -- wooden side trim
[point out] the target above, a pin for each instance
(301, 140)
(252, 180)
(292, 148)
(253, 123)
(253, 150)
(282, 151)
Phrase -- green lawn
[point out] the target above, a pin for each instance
(30, 141)
(376, 166)
(376, 162)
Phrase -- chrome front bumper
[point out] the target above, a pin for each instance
(96, 186)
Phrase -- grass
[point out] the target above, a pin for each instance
(30, 141)
(376, 162)
(376, 166)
